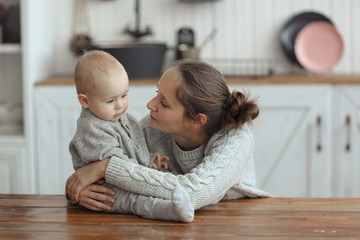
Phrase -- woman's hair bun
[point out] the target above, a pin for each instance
(241, 110)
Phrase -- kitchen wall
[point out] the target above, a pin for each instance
(246, 28)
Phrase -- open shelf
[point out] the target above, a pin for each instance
(12, 139)
(10, 48)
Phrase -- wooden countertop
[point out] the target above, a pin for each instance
(275, 79)
(53, 217)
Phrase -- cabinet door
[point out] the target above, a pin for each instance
(346, 141)
(139, 96)
(11, 169)
(57, 110)
(292, 139)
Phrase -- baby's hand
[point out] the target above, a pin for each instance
(101, 181)
(159, 163)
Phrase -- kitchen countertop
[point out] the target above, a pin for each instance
(53, 217)
(274, 79)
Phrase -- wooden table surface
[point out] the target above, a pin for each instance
(52, 217)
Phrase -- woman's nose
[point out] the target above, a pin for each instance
(151, 105)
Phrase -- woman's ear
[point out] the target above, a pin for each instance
(201, 120)
(83, 100)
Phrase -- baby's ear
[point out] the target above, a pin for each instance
(83, 100)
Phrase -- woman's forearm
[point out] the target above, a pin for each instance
(227, 163)
(206, 184)
(102, 167)
(85, 176)
(140, 179)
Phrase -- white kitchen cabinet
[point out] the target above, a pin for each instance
(11, 124)
(13, 167)
(57, 111)
(346, 141)
(21, 65)
(139, 96)
(11, 82)
(12, 137)
(293, 139)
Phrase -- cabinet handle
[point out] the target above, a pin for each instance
(348, 133)
(318, 125)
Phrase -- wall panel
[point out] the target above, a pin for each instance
(246, 28)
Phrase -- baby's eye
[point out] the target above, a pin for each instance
(124, 96)
(110, 101)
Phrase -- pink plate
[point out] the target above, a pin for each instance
(318, 47)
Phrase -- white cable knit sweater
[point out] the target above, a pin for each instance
(221, 169)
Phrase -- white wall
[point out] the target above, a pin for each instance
(246, 28)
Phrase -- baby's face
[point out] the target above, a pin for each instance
(109, 99)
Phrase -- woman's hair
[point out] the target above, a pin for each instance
(204, 90)
(91, 67)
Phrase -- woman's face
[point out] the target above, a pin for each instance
(167, 113)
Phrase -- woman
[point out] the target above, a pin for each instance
(202, 127)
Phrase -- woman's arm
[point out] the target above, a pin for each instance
(226, 162)
(85, 176)
(91, 196)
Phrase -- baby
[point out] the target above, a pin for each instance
(105, 130)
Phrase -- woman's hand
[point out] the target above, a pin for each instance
(85, 176)
(91, 195)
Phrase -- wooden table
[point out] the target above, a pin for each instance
(52, 217)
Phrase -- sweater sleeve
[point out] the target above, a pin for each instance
(227, 158)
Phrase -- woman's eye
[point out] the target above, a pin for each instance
(163, 104)
(161, 101)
